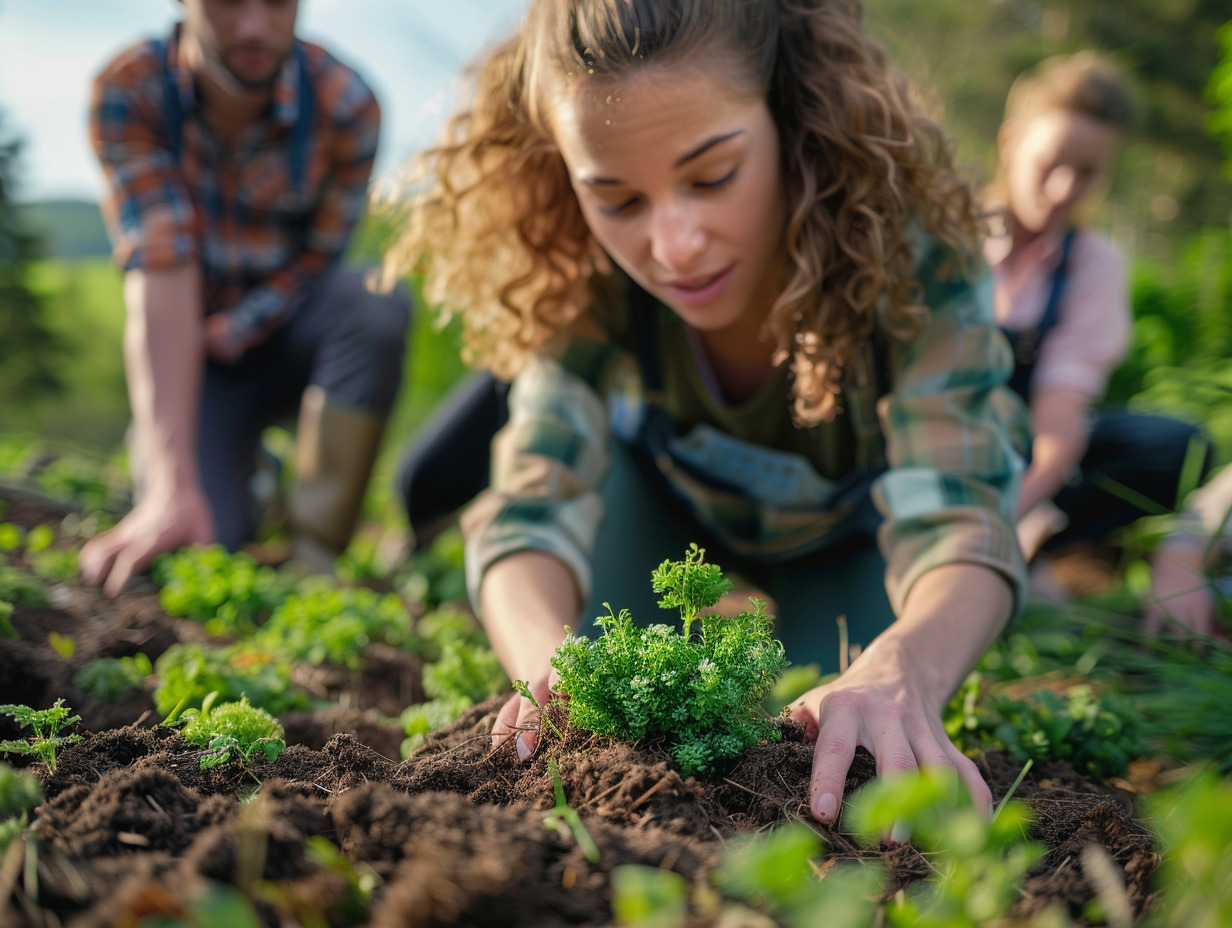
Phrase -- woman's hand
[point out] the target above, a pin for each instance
(1180, 591)
(891, 698)
(882, 705)
(519, 717)
(528, 600)
(158, 524)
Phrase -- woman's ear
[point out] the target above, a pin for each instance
(1007, 137)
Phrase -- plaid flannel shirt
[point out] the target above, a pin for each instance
(258, 236)
(947, 495)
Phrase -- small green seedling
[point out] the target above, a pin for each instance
(110, 679)
(46, 725)
(701, 689)
(563, 816)
(524, 688)
(232, 730)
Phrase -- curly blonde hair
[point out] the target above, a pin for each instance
(492, 221)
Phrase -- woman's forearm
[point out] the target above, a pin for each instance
(527, 599)
(952, 616)
(1059, 424)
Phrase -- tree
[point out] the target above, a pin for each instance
(29, 350)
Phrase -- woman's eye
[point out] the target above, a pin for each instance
(619, 208)
(718, 182)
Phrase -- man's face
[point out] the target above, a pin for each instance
(243, 40)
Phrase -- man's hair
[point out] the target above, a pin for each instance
(492, 220)
(1080, 83)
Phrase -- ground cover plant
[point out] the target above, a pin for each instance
(336, 829)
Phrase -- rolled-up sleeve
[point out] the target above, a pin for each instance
(547, 465)
(149, 213)
(951, 489)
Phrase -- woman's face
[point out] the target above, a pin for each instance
(678, 177)
(1051, 161)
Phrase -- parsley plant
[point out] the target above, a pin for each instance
(701, 687)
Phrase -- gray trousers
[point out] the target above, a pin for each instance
(338, 337)
(643, 527)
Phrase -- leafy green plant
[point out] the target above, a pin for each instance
(420, 719)
(702, 691)
(980, 864)
(1097, 734)
(55, 565)
(1194, 820)
(110, 679)
(332, 625)
(232, 730)
(464, 669)
(189, 672)
(45, 726)
(775, 874)
(230, 593)
(649, 897)
(21, 588)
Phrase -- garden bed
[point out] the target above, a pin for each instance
(131, 827)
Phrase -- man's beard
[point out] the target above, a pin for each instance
(218, 65)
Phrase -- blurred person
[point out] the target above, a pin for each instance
(1061, 297)
(236, 159)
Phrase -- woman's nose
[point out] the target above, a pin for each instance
(1061, 184)
(677, 237)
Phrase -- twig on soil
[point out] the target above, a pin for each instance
(751, 791)
(663, 781)
(591, 800)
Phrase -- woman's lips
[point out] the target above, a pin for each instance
(698, 291)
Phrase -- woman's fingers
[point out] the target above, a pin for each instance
(97, 556)
(981, 795)
(528, 721)
(836, 747)
(506, 718)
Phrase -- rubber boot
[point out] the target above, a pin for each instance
(336, 447)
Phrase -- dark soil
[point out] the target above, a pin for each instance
(131, 827)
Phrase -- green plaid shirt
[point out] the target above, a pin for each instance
(947, 494)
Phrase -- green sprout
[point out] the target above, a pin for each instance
(45, 725)
(563, 816)
(524, 688)
(232, 731)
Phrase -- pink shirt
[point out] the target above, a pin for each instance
(1095, 326)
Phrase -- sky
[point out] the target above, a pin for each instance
(410, 52)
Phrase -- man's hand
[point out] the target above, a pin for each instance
(882, 705)
(156, 525)
(220, 346)
(519, 717)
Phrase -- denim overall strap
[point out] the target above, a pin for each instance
(1026, 342)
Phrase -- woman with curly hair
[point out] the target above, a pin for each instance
(724, 258)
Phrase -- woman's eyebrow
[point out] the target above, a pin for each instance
(706, 146)
(680, 162)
